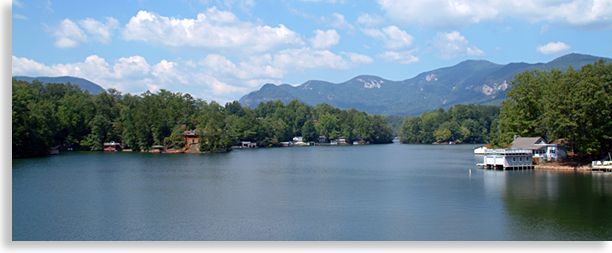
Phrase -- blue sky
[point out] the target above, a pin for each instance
(223, 49)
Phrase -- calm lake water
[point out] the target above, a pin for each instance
(371, 192)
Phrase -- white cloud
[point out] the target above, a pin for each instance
(48, 6)
(553, 48)
(453, 44)
(134, 75)
(214, 77)
(19, 16)
(132, 68)
(324, 39)
(101, 32)
(68, 34)
(306, 58)
(404, 57)
(396, 38)
(452, 14)
(358, 58)
(213, 30)
(368, 20)
(393, 37)
(337, 21)
(18, 3)
(254, 68)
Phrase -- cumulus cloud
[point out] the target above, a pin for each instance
(393, 37)
(324, 39)
(306, 58)
(358, 58)
(453, 44)
(404, 57)
(100, 32)
(68, 34)
(337, 21)
(368, 20)
(452, 14)
(134, 75)
(213, 77)
(553, 48)
(212, 29)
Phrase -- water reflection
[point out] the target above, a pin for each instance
(551, 205)
(375, 192)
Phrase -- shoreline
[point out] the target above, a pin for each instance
(582, 168)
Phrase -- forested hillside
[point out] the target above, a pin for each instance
(85, 85)
(462, 123)
(61, 114)
(571, 107)
(468, 82)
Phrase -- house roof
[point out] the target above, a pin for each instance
(483, 145)
(529, 143)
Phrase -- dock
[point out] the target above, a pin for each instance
(507, 159)
(604, 166)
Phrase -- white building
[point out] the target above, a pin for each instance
(480, 150)
(508, 159)
(541, 150)
(299, 141)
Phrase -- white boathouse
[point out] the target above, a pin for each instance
(507, 159)
(481, 150)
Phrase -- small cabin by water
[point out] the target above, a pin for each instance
(159, 149)
(191, 137)
(508, 159)
(248, 144)
(112, 146)
(299, 141)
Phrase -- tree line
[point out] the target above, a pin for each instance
(573, 108)
(46, 115)
(461, 123)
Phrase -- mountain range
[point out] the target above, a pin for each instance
(471, 81)
(85, 85)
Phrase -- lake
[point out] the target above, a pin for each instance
(369, 192)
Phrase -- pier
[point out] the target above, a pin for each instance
(605, 166)
(507, 159)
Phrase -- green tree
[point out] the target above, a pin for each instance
(442, 134)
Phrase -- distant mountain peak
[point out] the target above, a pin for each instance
(370, 83)
(83, 83)
(471, 81)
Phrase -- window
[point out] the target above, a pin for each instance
(521, 159)
(514, 159)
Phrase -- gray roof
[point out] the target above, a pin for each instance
(528, 143)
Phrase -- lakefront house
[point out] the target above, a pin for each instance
(542, 151)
